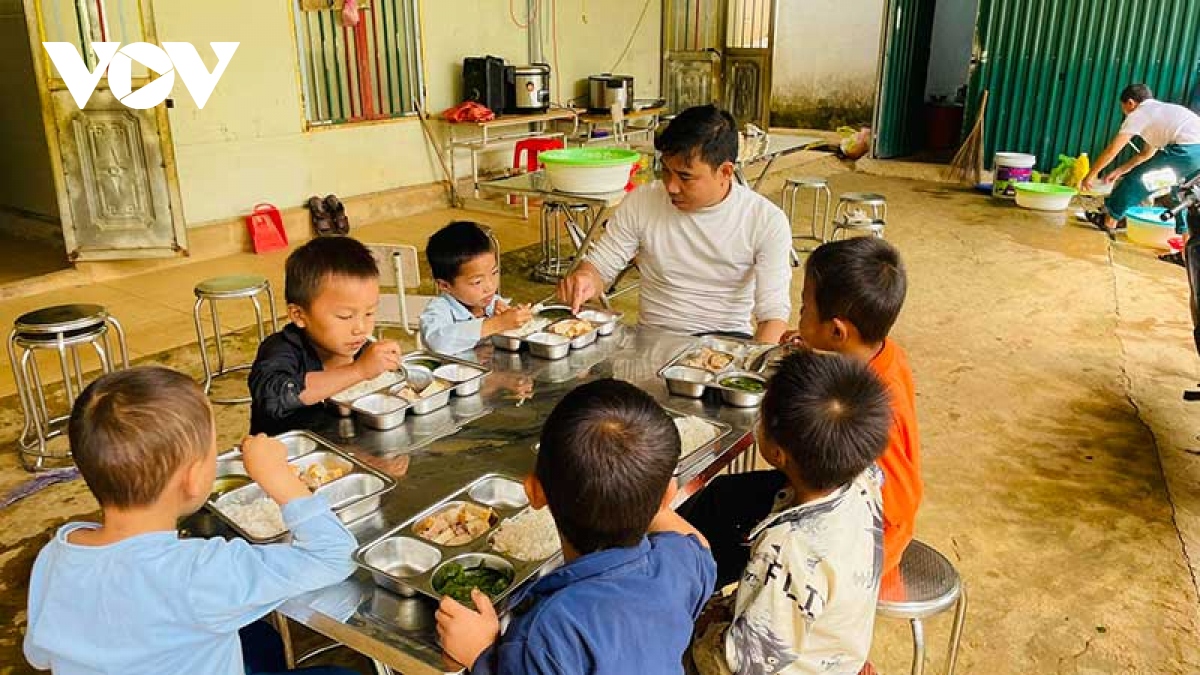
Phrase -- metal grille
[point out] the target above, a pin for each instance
(1054, 68)
(749, 25)
(371, 71)
(694, 25)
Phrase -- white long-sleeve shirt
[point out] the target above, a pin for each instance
(721, 268)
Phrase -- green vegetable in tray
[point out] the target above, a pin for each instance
(555, 313)
(456, 581)
(743, 384)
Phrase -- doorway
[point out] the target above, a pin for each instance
(30, 228)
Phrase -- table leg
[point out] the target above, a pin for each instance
(592, 229)
(766, 170)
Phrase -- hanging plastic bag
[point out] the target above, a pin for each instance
(855, 142)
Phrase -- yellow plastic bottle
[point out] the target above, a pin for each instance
(1079, 171)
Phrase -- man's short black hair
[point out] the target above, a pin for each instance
(308, 266)
(860, 280)
(705, 131)
(1136, 93)
(829, 413)
(453, 245)
(608, 451)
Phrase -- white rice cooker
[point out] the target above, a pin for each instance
(606, 89)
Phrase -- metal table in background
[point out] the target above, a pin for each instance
(493, 431)
(483, 138)
(768, 149)
(621, 131)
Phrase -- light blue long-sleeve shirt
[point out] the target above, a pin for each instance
(157, 604)
(449, 327)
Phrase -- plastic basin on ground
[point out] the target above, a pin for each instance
(1144, 226)
(1043, 196)
(588, 170)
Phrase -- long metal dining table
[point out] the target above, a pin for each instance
(493, 431)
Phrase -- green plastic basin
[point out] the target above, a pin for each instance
(589, 157)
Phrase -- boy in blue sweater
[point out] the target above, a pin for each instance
(635, 574)
(127, 595)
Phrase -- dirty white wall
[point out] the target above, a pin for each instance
(248, 144)
(26, 179)
(950, 47)
(826, 58)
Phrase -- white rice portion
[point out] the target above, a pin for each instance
(694, 432)
(349, 395)
(529, 328)
(529, 535)
(261, 518)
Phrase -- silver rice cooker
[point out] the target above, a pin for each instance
(607, 89)
(528, 88)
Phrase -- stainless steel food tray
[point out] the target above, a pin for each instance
(689, 461)
(352, 496)
(605, 322)
(403, 562)
(744, 354)
(394, 416)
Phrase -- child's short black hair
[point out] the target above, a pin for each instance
(1136, 93)
(829, 413)
(308, 266)
(608, 451)
(705, 131)
(861, 280)
(453, 245)
(131, 430)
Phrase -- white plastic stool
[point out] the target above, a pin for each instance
(929, 585)
(229, 288)
(64, 329)
(822, 203)
(859, 213)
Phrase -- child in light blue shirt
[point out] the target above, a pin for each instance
(127, 595)
(466, 267)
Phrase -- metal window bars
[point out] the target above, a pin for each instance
(371, 71)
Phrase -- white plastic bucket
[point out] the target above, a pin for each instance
(1009, 168)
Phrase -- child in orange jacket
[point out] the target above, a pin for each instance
(853, 292)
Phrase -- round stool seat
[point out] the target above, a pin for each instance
(807, 181)
(68, 338)
(928, 585)
(232, 286)
(865, 198)
(60, 319)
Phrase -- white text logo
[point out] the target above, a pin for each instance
(118, 61)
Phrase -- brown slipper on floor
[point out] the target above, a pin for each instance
(337, 211)
(1173, 258)
(322, 220)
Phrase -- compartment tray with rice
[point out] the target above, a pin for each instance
(404, 561)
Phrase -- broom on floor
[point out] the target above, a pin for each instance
(967, 165)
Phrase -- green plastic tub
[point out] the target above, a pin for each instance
(589, 170)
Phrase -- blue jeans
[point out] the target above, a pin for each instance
(262, 653)
(1130, 191)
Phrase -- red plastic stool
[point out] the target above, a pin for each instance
(531, 148)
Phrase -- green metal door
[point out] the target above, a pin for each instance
(907, 31)
(1054, 68)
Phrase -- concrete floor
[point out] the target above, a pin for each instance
(1061, 465)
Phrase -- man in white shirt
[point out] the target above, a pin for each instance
(1171, 136)
(712, 253)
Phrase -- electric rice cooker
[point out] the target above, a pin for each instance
(607, 89)
(528, 88)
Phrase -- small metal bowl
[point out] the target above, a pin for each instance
(548, 345)
(686, 381)
(381, 411)
(509, 343)
(738, 397)
(397, 558)
(605, 322)
(458, 373)
(470, 560)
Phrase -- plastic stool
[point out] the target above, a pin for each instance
(859, 212)
(229, 288)
(557, 217)
(525, 156)
(64, 329)
(822, 202)
(927, 586)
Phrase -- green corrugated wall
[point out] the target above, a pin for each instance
(1054, 68)
(908, 27)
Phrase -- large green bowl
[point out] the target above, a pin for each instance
(590, 157)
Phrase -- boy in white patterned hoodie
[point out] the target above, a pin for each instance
(806, 601)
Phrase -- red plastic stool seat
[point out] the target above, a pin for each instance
(530, 147)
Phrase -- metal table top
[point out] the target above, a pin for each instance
(493, 431)
(535, 184)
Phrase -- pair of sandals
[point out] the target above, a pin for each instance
(328, 216)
